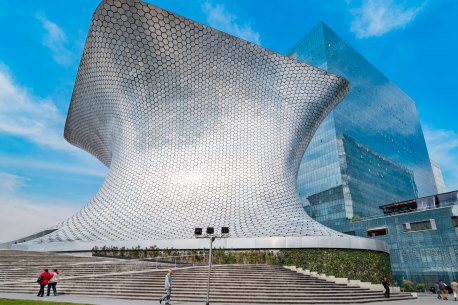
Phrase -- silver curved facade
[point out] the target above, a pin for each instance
(275, 243)
(198, 128)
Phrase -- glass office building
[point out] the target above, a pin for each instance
(370, 150)
(440, 184)
(422, 235)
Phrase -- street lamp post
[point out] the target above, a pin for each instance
(211, 236)
(209, 269)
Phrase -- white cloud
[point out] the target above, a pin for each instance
(378, 17)
(39, 121)
(9, 183)
(21, 216)
(219, 18)
(86, 166)
(443, 148)
(56, 40)
(25, 115)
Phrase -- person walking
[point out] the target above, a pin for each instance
(386, 285)
(443, 289)
(44, 278)
(168, 288)
(454, 286)
(437, 290)
(53, 282)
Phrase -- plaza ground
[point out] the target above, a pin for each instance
(423, 299)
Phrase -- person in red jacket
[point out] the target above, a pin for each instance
(45, 276)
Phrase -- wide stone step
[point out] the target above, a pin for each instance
(215, 296)
(144, 280)
(148, 274)
(228, 286)
(216, 277)
(157, 277)
(178, 272)
(152, 268)
(233, 287)
(197, 283)
(236, 285)
(196, 291)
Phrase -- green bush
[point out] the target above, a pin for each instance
(420, 287)
(364, 265)
(407, 285)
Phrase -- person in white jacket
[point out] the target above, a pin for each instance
(454, 286)
(53, 282)
(168, 288)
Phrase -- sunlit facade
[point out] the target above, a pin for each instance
(370, 150)
(184, 124)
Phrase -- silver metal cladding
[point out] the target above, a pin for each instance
(198, 128)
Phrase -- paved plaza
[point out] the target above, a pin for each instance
(423, 299)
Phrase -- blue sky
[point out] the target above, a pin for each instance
(43, 179)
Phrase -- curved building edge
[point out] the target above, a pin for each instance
(288, 242)
(211, 159)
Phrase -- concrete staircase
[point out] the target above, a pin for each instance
(134, 279)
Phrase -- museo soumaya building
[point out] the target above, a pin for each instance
(198, 129)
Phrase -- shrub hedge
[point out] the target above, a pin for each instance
(364, 265)
(407, 286)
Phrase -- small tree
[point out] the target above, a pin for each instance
(420, 287)
(407, 285)
(122, 251)
(95, 251)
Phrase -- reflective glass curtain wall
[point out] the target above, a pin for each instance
(371, 149)
(423, 243)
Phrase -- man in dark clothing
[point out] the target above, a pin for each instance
(45, 276)
(443, 288)
(386, 285)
